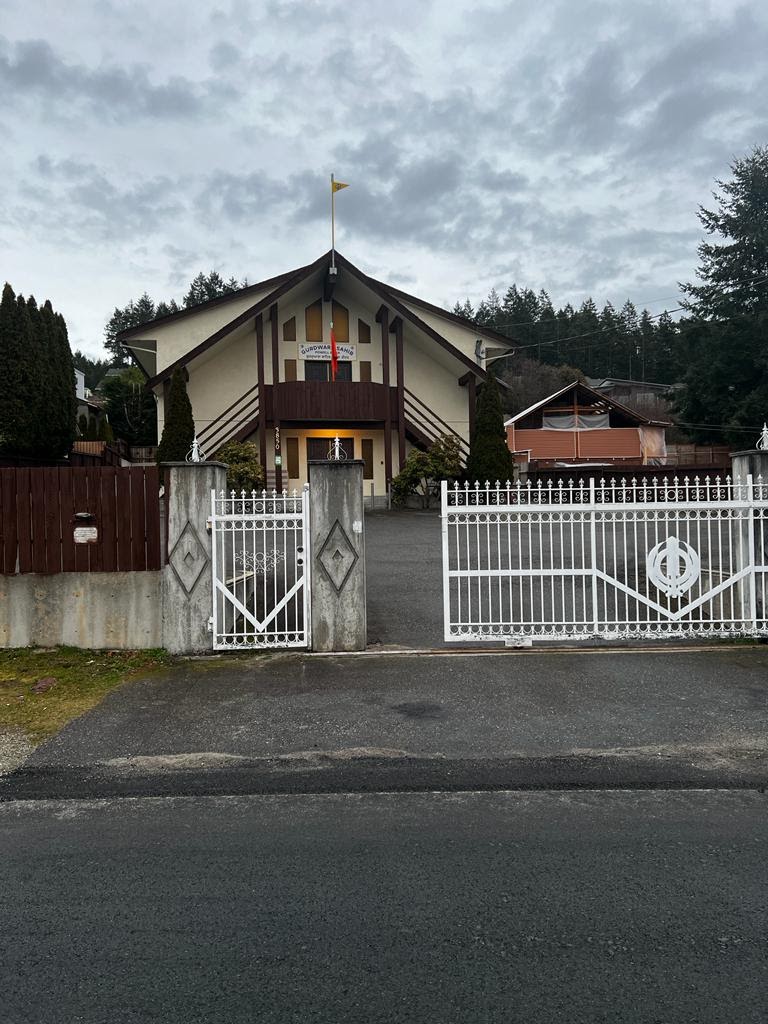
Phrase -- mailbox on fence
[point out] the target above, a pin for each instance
(85, 529)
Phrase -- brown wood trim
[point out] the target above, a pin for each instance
(238, 321)
(397, 326)
(262, 393)
(275, 344)
(453, 317)
(472, 403)
(413, 413)
(390, 301)
(382, 318)
(416, 402)
(134, 332)
(207, 430)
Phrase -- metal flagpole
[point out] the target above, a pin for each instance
(333, 224)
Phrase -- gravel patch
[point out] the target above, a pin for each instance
(15, 748)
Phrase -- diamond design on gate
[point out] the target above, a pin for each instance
(188, 559)
(673, 567)
(337, 556)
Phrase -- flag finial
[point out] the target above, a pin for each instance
(336, 186)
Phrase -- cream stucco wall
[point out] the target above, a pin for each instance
(463, 338)
(176, 338)
(228, 369)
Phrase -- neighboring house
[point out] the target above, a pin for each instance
(258, 368)
(86, 406)
(653, 400)
(579, 425)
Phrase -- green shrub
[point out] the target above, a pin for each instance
(423, 471)
(244, 471)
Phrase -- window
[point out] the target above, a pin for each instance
(320, 369)
(289, 329)
(292, 457)
(290, 369)
(367, 453)
(365, 371)
(363, 332)
(313, 321)
(340, 317)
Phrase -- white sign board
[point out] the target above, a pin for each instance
(321, 350)
(86, 534)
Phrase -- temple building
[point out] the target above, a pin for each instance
(258, 367)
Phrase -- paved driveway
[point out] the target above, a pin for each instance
(403, 564)
(701, 704)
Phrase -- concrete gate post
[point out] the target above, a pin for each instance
(187, 584)
(753, 540)
(337, 591)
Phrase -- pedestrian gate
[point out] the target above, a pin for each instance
(662, 558)
(261, 565)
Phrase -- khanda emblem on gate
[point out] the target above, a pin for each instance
(673, 566)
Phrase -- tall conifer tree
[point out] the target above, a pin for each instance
(179, 426)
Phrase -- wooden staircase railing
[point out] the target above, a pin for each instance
(426, 426)
(242, 413)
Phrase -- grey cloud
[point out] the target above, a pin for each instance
(32, 67)
(224, 56)
(91, 206)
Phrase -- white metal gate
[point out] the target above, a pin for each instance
(260, 570)
(657, 558)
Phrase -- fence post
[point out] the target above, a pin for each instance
(187, 578)
(337, 581)
(751, 468)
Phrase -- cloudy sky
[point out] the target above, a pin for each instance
(563, 144)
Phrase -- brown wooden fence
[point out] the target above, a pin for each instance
(40, 510)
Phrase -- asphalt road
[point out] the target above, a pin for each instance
(504, 907)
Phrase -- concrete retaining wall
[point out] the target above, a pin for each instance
(107, 610)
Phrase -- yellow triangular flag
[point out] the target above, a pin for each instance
(337, 185)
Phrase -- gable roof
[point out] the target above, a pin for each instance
(141, 329)
(283, 284)
(610, 403)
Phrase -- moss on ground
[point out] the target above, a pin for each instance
(82, 679)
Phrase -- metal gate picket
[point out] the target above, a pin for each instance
(647, 559)
(260, 570)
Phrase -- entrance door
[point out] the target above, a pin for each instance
(318, 448)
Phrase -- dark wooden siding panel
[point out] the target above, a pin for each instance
(289, 329)
(138, 537)
(313, 320)
(292, 456)
(80, 496)
(323, 400)
(340, 317)
(108, 520)
(95, 551)
(52, 508)
(8, 528)
(367, 456)
(363, 332)
(123, 501)
(152, 506)
(39, 515)
(24, 519)
(37, 492)
(66, 501)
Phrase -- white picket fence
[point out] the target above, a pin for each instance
(657, 558)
